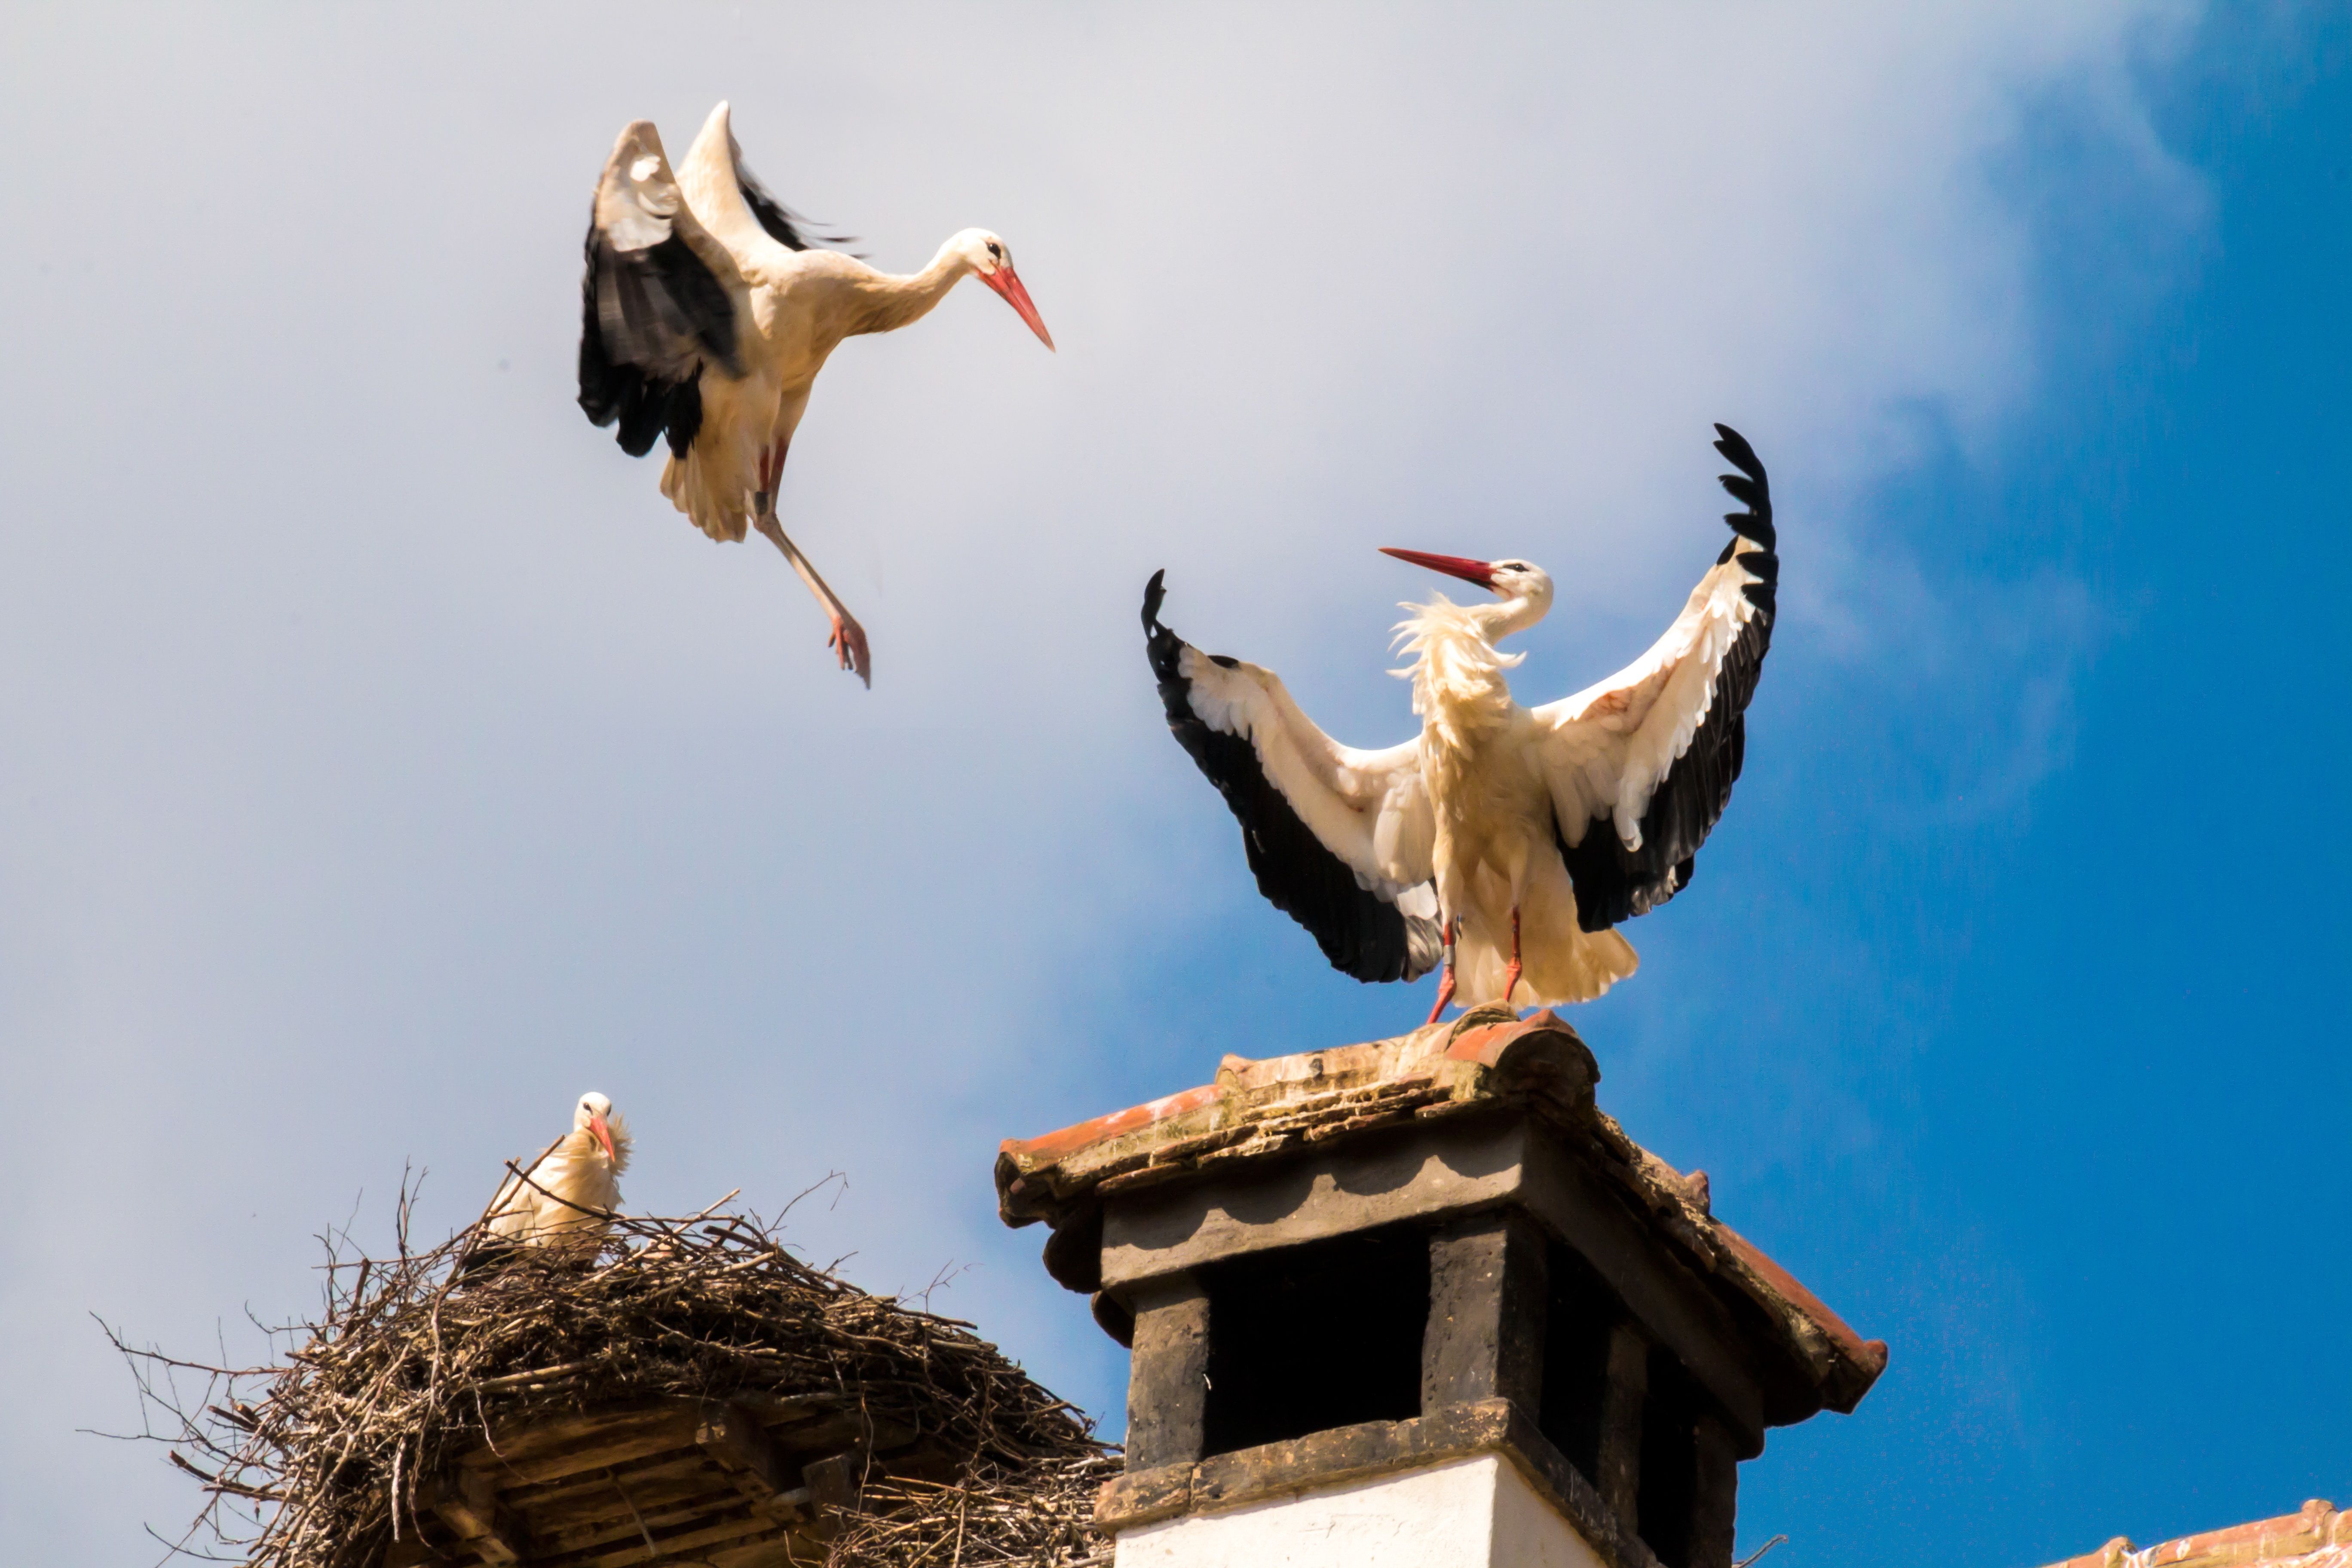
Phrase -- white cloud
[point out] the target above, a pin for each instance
(386, 763)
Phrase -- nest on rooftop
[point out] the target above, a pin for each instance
(442, 1411)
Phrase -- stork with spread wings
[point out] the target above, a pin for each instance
(1504, 842)
(706, 314)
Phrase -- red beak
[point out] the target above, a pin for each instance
(1007, 282)
(1460, 567)
(604, 1136)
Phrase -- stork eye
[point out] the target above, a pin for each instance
(994, 249)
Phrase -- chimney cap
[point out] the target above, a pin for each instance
(1283, 1108)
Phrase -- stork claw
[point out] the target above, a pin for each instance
(848, 642)
(847, 637)
(1445, 996)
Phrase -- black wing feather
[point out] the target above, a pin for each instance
(782, 223)
(1360, 933)
(1613, 883)
(788, 229)
(649, 320)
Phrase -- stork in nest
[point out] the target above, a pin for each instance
(566, 1200)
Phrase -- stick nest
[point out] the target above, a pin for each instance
(310, 1462)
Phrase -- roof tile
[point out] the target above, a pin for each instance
(2316, 1536)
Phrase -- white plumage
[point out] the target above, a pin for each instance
(563, 1200)
(706, 315)
(1505, 840)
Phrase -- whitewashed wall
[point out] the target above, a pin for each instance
(1467, 1513)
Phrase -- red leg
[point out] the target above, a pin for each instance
(847, 638)
(1511, 975)
(769, 473)
(1444, 981)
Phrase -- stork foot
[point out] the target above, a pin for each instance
(849, 643)
(847, 638)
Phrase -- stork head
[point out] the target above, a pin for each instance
(990, 259)
(596, 1118)
(1523, 589)
(1508, 579)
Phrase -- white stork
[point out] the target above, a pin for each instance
(563, 1201)
(706, 315)
(1504, 841)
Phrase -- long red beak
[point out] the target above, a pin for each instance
(604, 1136)
(1007, 282)
(1460, 567)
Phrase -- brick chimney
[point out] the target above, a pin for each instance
(1418, 1303)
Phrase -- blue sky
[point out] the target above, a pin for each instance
(386, 763)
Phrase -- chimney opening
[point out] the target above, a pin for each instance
(1669, 1489)
(1303, 1339)
(1579, 1316)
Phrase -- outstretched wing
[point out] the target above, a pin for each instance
(1339, 840)
(1640, 765)
(715, 163)
(659, 301)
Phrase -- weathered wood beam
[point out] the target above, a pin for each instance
(1714, 1504)
(774, 1409)
(1167, 1374)
(728, 1433)
(551, 1449)
(831, 1486)
(410, 1551)
(741, 1446)
(770, 1551)
(619, 1522)
(542, 1450)
(1485, 1333)
(1427, 1172)
(669, 1473)
(467, 1502)
(671, 1545)
(837, 1429)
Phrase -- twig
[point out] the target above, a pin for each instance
(652, 1553)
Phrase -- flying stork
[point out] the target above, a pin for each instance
(1506, 843)
(564, 1199)
(706, 315)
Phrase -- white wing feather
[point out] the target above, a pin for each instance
(1606, 747)
(1369, 808)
